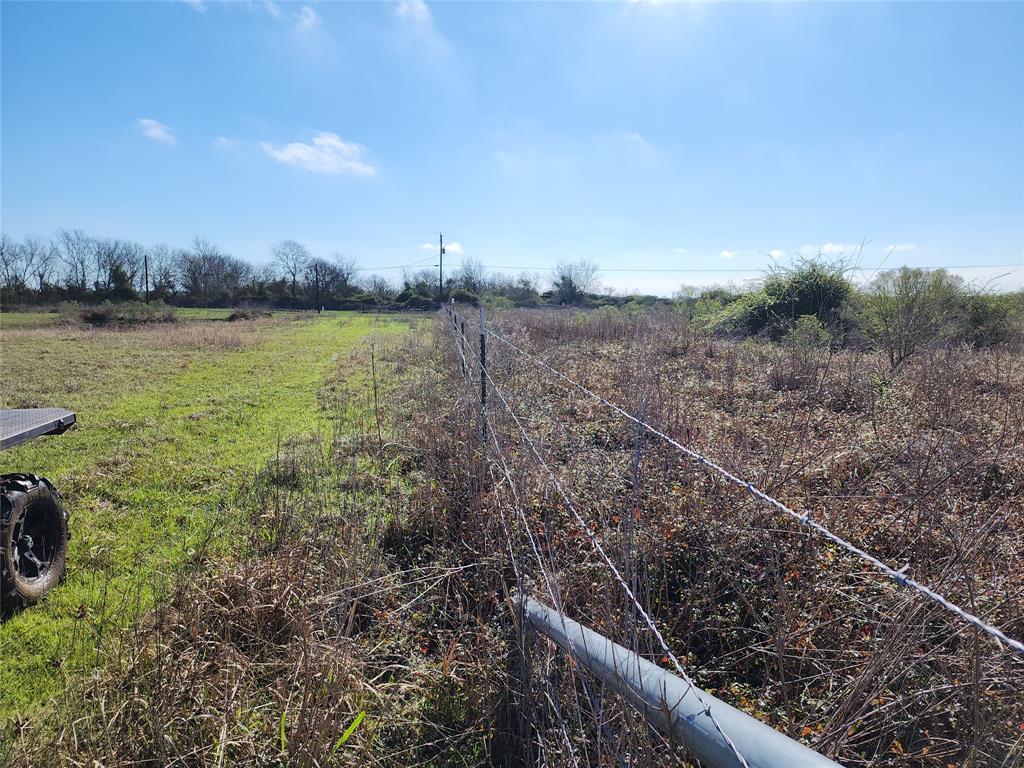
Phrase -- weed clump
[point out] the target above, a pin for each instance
(247, 314)
(121, 315)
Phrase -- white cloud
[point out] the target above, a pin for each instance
(829, 249)
(834, 248)
(272, 8)
(427, 246)
(223, 142)
(328, 153)
(728, 254)
(416, 17)
(453, 248)
(903, 247)
(306, 19)
(775, 253)
(155, 130)
(416, 12)
(197, 5)
(680, 250)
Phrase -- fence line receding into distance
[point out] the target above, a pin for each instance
(601, 656)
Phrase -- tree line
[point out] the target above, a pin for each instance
(898, 310)
(74, 266)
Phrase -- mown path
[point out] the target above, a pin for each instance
(167, 435)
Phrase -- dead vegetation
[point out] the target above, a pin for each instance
(921, 466)
(203, 334)
(374, 567)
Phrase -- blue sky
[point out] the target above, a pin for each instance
(645, 136)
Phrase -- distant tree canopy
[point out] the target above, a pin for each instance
(899, 312)
(75, 266)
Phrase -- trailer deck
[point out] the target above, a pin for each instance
(20, 424)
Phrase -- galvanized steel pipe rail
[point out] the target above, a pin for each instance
(668, 702)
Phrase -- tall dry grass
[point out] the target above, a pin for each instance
(372, 569)
(922, 466)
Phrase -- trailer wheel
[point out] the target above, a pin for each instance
(33, 536)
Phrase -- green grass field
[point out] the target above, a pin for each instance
(172, 420)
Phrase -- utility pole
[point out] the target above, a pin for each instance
(440, 269)
(145, 270)
(316, 284)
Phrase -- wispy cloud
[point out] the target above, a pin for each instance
(306, 19)
(196, 5)
(272, 8)
(155, 130)
(416, 16)
(453, 248)
(829, 249)
(728, 254)
(223, 142)
(680, 250)
(327, 153)
(415, 12)
(903, 247)
(427, 246)
(775, 253)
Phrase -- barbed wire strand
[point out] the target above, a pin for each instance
(534, 545)
(691, 687)
(804, 519)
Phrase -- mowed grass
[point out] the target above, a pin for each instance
(10, 321)
(172, 422)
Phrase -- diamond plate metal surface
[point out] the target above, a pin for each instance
(20, 424)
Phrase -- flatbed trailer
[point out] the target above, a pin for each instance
(20, 424)
(33, 520)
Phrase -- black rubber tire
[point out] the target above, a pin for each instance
(33, 537)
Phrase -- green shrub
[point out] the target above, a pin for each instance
(907, 309)
(464, 296)
(494, 302)
(810, 288)
(807, 333)
(994, 318)
(417, 301)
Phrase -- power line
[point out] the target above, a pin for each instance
(737, 269)
(420, 263)
(804, 519)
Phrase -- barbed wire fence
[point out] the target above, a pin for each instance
(496, 412)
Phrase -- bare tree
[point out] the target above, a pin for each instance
(12, 264)
(76, 250)
(575, 279)
(291, 257)
(321, 279)
(208, 274)
(380, 287)
(162, 282)
(347, 270)
(472, 276)
(421, 282)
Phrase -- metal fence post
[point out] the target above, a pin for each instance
(461, 328)
(483, 375)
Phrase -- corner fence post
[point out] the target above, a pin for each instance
(667, 702)
(483, 375)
